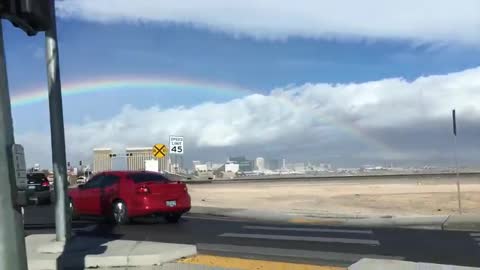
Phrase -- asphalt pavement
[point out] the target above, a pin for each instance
(253, 239)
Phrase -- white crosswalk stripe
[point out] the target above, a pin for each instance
(270, 228)
(305, 234)
(303, 238)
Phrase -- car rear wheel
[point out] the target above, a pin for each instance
(172, 218)
(120, 213)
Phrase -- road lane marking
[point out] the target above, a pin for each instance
(270, 228)
(315, 255)
(303, 238)
(238, 263)
(226, 219)
(475, 234)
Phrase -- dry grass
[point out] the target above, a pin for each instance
(359, 198)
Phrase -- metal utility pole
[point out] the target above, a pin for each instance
(12, 238)
(456, 161)
(62, 212)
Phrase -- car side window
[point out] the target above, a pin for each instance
(110, 180)
(95, 182)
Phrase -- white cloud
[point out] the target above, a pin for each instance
(297, 117)
(431, 21)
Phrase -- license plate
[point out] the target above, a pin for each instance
(171, 203)
(31, 187)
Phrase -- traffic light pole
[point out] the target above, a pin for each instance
(12, 238)
(62, 212)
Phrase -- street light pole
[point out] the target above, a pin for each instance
(12, 238)
(62, 213)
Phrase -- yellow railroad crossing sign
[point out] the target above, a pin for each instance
(159, 150)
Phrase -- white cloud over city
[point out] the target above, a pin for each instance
(410, 118)
(427, 21)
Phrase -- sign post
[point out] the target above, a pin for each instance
(454, 119)
(62, 212)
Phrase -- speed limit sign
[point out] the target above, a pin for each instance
(176, 145)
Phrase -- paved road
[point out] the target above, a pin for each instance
(284, 242)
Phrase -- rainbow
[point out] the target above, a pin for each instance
(38, 95)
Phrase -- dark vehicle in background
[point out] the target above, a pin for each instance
(122, 195)
(38, 188)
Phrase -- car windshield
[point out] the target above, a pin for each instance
(37, 178)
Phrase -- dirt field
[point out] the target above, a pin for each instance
(346, 198)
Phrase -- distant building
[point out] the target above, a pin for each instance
(232, 167)
(297, 167)
(260, 163)
(272, 164)
(138, 156)
(102, 161)
(244, 164)
(196, 162)
(201, 167)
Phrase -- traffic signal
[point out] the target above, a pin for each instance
(32, 16)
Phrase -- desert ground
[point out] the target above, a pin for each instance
(349, 198)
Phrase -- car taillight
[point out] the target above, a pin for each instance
(45, 184)
(143, 190)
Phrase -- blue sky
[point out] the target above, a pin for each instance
(91, 48)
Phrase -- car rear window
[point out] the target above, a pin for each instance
(148, 177)
(37, 178)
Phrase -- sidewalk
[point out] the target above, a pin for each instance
(464, 222)
(81, 253)
(44, 253)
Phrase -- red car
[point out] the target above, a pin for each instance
(121, 195)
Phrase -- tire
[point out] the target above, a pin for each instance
(73, 213)
(173, 218)
(119, 215)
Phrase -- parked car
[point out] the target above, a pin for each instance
(81, 180)
(39, 188)
(122, 195)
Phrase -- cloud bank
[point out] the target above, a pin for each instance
(388, 119)
(423, 21)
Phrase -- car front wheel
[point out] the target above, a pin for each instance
(120, 213)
